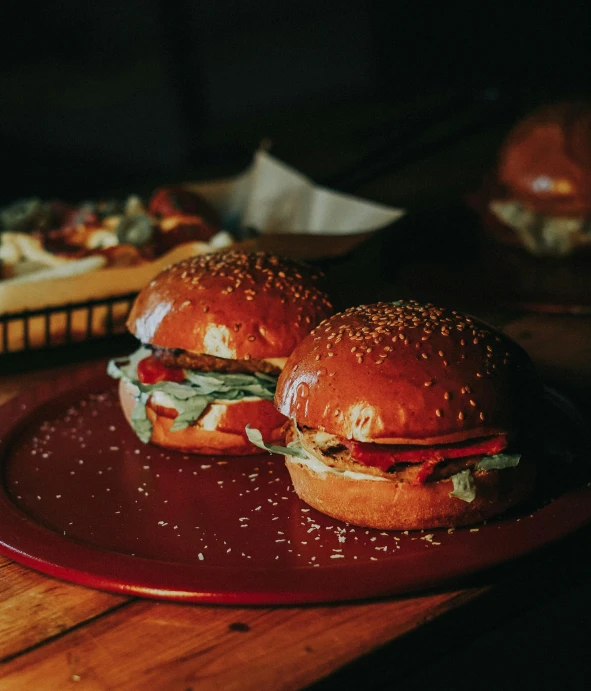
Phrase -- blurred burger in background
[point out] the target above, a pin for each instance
(215, 332)
(541, 196)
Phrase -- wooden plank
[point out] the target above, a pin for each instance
(165, 646)
(34, 607)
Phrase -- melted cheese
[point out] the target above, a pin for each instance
(276, 361)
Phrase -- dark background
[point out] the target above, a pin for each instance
(97, 98)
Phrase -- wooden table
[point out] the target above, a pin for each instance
(54, 634)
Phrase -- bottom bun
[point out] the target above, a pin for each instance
(220, 430)
(396, 505)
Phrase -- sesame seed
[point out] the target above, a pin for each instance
(439, 412)
(473, 403)
(460, 415)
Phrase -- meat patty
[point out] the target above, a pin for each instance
(335, 454)
(175, 357)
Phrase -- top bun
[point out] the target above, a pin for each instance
(545, 161)
(404, 372)
(237, 305)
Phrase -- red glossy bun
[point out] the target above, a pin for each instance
(545, 161)
(395, 505)
(407, 373)
(228, 437)
(236, 305)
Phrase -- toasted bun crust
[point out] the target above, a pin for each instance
(229, 421)
(407, 373)
(545, 161)
(236, 305)
(395, 505)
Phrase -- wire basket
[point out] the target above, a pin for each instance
(74, 322)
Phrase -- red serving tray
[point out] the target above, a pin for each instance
(83, 500)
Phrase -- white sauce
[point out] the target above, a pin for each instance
(319, 467)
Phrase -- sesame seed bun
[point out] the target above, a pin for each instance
(399, 505)
(406, 373)
(545, 161)
(220, 430)
(238, 305)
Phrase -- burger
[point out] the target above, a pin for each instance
(541, 198)
(215, 331)
(407, 416)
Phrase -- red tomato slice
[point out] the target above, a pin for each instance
(151, 371)
(382, 456)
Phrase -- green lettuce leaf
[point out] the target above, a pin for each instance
(270, 378)
(189, 411)
(256, 438)
(114, 368)
(127, 366)
(139, 419)
(203, 381)
(499, 461)
(191, 397)
(464, 487)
